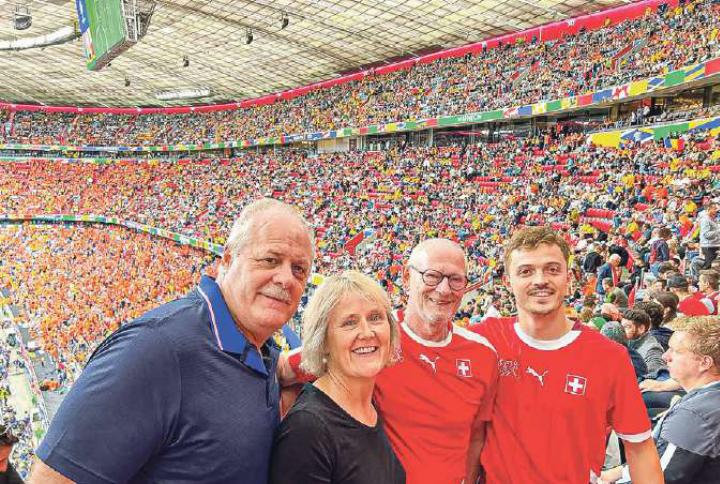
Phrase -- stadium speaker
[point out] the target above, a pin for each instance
(284, 21)
(127, 82)
(248, 37)
(185, 61)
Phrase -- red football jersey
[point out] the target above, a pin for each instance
(694, 306)
(430, 399)
(556, 401)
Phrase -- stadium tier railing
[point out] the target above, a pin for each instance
(615, 138)
(611, 138)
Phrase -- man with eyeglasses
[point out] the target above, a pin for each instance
(436, 401)
(8, 474)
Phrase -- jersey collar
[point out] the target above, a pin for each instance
(227, 336)
(432, 344)
(547, 345)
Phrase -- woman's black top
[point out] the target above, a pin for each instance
(319, 442)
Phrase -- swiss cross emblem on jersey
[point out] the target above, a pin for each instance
(575, 385)
(464, 368)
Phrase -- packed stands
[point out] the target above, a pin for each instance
(20, 426)
(474, 194)
(497, 78)
(76, 283)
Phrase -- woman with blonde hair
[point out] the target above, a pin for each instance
(333, 433)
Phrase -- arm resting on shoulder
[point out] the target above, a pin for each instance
(286, 375)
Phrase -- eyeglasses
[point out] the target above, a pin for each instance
(432, 278)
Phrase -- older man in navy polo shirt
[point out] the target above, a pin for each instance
(187, 393)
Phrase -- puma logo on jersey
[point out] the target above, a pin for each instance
(430, 362)
(541, 378)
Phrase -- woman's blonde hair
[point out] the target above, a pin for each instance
(316, 317)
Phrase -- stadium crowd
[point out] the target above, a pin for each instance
(511, 75)
(474, 194)
(10, 362)
(541, 179)
(639, 217)
(640, 206)
(77, 284)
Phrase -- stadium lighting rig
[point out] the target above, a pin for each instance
(22, 20)
(191, 93)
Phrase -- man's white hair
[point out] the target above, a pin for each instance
(242, 229)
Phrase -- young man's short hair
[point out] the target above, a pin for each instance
(638, 317)
(652, 309)
(530, 238)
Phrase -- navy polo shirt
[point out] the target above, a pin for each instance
(178, 395)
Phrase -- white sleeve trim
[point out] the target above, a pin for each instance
(472, 336)
(635, 438)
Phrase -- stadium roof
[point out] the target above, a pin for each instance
(323, 39)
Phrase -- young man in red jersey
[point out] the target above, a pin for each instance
(561, 386)
(709, 288)
(436, 401)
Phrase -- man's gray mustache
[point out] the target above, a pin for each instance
(276, 292)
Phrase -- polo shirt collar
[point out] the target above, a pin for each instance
(227, 336)
(712, 386)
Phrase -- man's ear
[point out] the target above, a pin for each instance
(406, 276)
(570, 283)
(706, 362)
(506, 281)
(226, 259)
